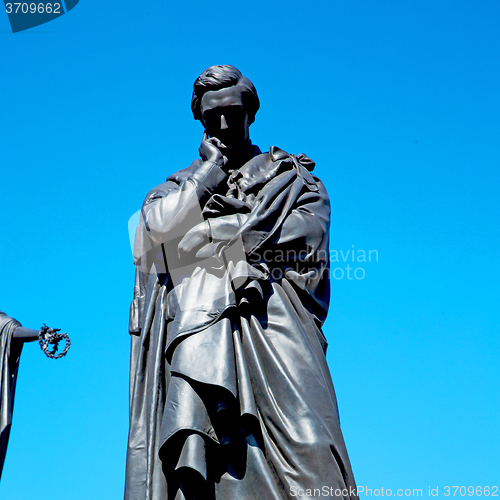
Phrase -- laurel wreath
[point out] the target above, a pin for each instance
(49, 336)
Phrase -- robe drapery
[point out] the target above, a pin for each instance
(10, 352)
(230, 393)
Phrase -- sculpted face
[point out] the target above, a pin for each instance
(225, 117)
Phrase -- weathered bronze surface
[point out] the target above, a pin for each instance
(230, 392)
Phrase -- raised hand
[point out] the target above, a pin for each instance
(210, 150)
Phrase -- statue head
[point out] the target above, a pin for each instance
(225, 102)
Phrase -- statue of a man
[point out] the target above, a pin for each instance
(230, 393)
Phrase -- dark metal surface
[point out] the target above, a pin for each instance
(12, 338)
(10, 352)
(230, 392)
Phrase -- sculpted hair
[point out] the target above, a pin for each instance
(220, 77)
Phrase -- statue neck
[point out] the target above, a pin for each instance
(239, 156)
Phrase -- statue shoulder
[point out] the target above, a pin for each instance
(171, 182)
(304, 166)
(185, 173)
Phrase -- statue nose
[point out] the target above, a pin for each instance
(223, 123)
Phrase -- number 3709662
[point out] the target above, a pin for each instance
(32, 8)
(471, 491)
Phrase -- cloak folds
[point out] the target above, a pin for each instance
(230, 392)
(10, 352)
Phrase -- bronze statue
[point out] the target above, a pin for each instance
(230, 392)
(12, 338)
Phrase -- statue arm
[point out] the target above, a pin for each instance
(300, 246)
(308, 224)
(304, 230)
(304, 241)
(20, 333)
(24, 334)
(171, 213)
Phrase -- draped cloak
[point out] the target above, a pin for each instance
(230, 393)
(10, 352)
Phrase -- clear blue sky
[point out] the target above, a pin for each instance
(396, 101)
